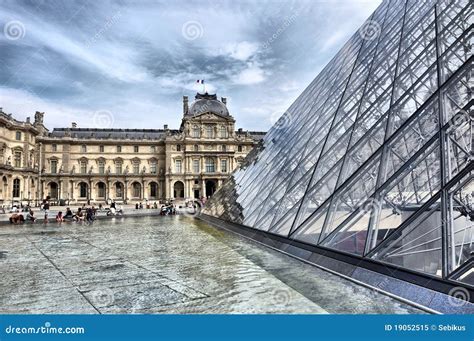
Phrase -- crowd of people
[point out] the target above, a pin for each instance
(82, 214)
(86, 213)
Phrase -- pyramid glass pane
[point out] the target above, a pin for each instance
(375, 157)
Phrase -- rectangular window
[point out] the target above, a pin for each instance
(177, 165)
(223, 132)
(136, 168)
(136, 149)
(210, 165)
(153, 149)
(224, 166)
(83, 167)
(18, 136)
(119, 149)
(196, 166)
(101, 166)
(153, 167)
(54, 166)
(17, 159)
(118, 168)
(101, 149)
(196, 131)
(239, 148)
(210, 131)
(54, 148)
(84, 148)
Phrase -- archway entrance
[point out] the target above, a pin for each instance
(53, 190)
(119, 191)
(178, 189)
(153, 190)
(210, 187)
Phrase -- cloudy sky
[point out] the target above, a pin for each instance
(127, 64)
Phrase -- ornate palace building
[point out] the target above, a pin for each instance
(77, 165)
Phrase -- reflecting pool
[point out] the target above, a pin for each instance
(171, 264)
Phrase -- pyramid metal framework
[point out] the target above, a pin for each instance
(375, 158)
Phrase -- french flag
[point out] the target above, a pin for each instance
(200, 81)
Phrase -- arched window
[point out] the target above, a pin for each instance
(196, 148)
(101, 190)
(136, 189)
(153, 190)
(53, 190)
(119, 190)
(16, 188)
(83, 190)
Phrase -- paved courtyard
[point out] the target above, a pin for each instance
(172, 264)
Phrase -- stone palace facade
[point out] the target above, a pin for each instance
(79, 165)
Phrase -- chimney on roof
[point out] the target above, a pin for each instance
(165, 127)
(185, 104)
(224, 100)
(240, 130)
(73, 125)
(28, 120)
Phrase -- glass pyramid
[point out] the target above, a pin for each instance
(375, 157)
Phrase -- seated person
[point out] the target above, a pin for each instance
(59, 217)
(31, 216)
(68, 214)
(17, 218)
(79, 216)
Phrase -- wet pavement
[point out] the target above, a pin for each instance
(165, 264)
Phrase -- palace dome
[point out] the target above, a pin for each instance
(207, 103)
